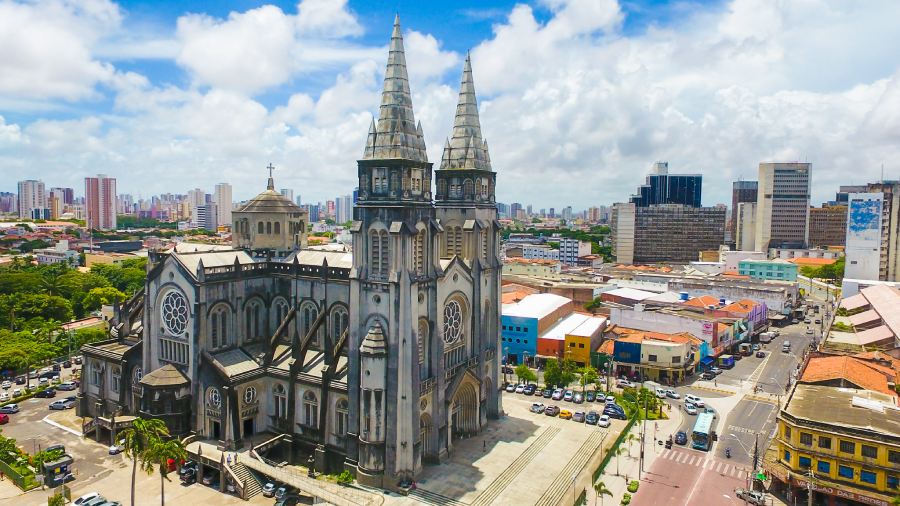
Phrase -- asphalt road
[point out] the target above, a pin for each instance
(739, 431)
(681, 476)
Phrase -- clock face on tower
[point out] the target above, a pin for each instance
(175, 313)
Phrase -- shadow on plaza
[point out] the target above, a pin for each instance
(462, 473)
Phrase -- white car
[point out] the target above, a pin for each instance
(520, 389)
(269, 489)
(623, 383)
(660, 393)
(693, 399)
(809, 330)
(672, 394)
(116, 449)
(603, 421)
(6, 385)
(690, 409)
(32, 386)
(511, 388)
(85, 498)
(4, 397)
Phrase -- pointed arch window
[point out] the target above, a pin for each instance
(339, 323)
(378, 248)
(310, 313)
(310, 409)
(419, 254)
(343, 416)
(379, 180)
(277, 228)
(478, 187)
(469, 189)
(268, 227)
(219, 327)
(484, 245)
(280, 401)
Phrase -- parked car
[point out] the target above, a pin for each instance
(615, 413)
(189, 476)
(681, 438)
(795, 321)
(751, 496)
(604, 421)
(5, 397)
(660, 393)
(117, 448)
(591, 418)
(672, 394)
(708, 376)
(716, 370)
(95, 501)
(551, 411)
(68, 385)
(547, 393)
(17, 393)
(590, 397)
(610, 399)
(281, 492)
(711, 411)
(690, 409)
(207, 479)
(288, 500)
(755, 347)
(565, 414)
(818, 321)
(46, 394)
(520, 389)
(511, 387)
(568, 395)
(62, 404)
(578, 416)
(579, 398)
(529, 390)
(6, 385)
(77, 360)
(807, 320)
(57, 367)
(269, 489)
(67, 364)
(537, 407)
(20, 380)
(85, 498)
(539, 392)
(558, 394)
(624, 383)
(760, 354)
(9, 409)
(693, 399)
(4, 419)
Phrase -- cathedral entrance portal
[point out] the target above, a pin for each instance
(464, 412)
(215, 430)
(248, 427)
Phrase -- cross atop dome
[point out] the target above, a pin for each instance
(271, 180)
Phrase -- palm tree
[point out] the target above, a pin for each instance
(138, 439)
(601, 490)
(162, 452)
(630, 438)
(618, 451)
(49, 328)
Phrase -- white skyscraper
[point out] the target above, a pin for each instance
(223, 203)
(289, 193)
(32, 195)
(196, 198)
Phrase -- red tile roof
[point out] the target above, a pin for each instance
(856, 371)
(743, 306)
(812, 261)
(607, 347)
(703, 301)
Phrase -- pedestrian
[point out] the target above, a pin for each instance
(484, 446)
(716, 383)
(229, 460)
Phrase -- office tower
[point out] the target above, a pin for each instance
(841, 196)
(741, 191)
(552, 213)
(100, 202)
(207, 216)
(31, 196)
(223, 203)
(827, 226)
(567, 213)
(288, 193)
(196, 198)
(355, 196)
(868, 240)
(330, 209)
(9, 202)
(528, 210)
(299, 202)
(782, 205)
(664, 188)
(126, 204)
(666, 233)
(744, 234)
(514, 209)
(65, 195)
(344, 209)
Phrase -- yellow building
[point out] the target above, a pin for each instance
(848, 439)
(584, 339)
(107, 258)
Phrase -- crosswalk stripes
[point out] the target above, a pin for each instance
(704, 463)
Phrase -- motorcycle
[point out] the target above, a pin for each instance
(728, 453)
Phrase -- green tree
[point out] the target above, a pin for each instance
(138, 439)
(587, 375)
(56, 500)
(646, 398)
(630, 438)
(97, 297)
(43, 306)
(601, 490)
(567, 374)
(161, 452)
(618, 452)
(552, 373)
(525, 374)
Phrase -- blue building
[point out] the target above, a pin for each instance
(523, 321)
(518, 338)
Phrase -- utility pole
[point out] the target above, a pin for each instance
(643, 432)
(755, 461)
(809, 485)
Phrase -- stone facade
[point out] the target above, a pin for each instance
(373, 360)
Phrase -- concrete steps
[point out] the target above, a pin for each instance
(249, 479)
(434, 499)
(491, 493)
(563, 480)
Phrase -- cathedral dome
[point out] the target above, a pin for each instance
(269, 201)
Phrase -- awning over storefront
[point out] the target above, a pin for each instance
(707, 360)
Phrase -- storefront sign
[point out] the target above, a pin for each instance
(842, 493)
(708, 328)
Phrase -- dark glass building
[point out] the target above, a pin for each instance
(664, 188)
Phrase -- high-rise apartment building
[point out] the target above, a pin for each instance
(744, 234)
(666, 233)
(100, 202)
(567, 213)
(299, 202)
(224, 204)
(288, 193)
(126, 203)
(208, 216)
(741, 191)
(827, 226)
(66, 195)
(9, 202)
(344, 209)
(782, 205)
(868, 241)
(664, 188)
(195, 198)
(32, 195)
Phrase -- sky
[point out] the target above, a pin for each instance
(577, 98)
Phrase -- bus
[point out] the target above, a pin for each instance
(700, 438)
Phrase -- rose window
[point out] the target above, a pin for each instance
(249, 395)
(215, 400)
(452, 322)
(175, 313)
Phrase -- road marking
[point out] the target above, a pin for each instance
(59, 426)
(732, 472)
(699, 461)
(719, 467)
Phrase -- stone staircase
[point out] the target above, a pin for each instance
(487, 497)
(248, 478)
(434, 499)
(563, 481)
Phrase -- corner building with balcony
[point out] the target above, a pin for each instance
(374, 360)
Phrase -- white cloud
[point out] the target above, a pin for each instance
(327, 18)
(11, 134)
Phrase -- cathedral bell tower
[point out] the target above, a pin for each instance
(392, 281)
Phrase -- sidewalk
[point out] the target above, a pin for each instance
(629, 462)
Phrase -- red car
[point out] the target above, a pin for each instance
(4, 419)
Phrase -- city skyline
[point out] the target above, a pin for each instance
(143, 99)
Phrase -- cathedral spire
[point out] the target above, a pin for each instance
(395, 135)
(466, 149)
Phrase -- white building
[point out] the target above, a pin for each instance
(782, 206)
(745, 226)
(288, 193)
(59, 253)
(539, 252)
(570, 250)
(733, 258)
(32, 195)
(223, 201)
(863, 246)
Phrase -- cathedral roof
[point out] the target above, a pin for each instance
(396, 135)
(466, 149)
(165, 376)
(269, 201)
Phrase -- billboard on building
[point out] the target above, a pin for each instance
(863, 235)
